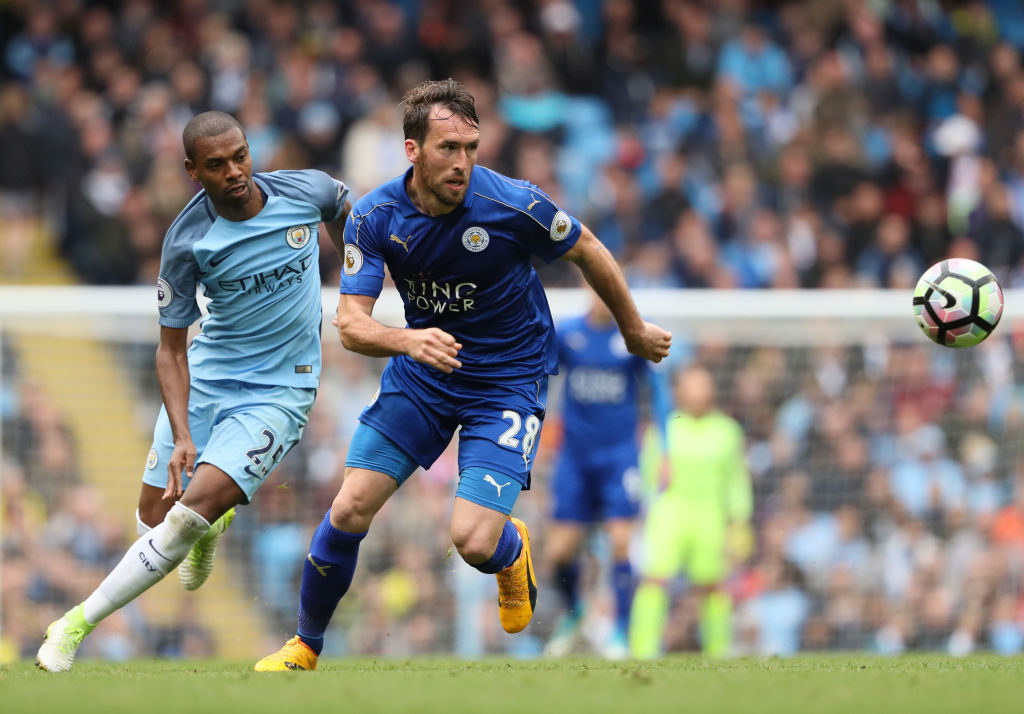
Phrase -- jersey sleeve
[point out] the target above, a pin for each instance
(312, 186)
(741, 492)
(550, 232)
(179, 276)
(362, 269)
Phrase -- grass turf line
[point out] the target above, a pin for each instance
(857, 684)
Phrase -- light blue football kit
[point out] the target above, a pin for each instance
(596, 477)
(255, 366)
(467, 272)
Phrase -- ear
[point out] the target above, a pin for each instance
(191, 169)
(412, 150)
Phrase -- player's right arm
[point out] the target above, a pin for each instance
(361, 333)
(173, 374)
(362, 279)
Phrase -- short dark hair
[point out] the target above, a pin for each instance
(207, 124)
(419, 100)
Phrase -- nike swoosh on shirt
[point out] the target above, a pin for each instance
(214, 262)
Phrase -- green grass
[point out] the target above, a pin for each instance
(818, 683)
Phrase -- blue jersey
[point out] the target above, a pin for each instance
(466, 272)
(262, 279)
(601, 385)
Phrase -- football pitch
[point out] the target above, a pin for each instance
(857, 684)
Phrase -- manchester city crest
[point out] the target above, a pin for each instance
(297, 236)
(475, 239)
(152, 460)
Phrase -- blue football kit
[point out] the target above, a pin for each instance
(469, 273)
(255, 365)
(596, 476)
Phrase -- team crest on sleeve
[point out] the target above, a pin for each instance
(297, 236)
(164, 294)
(353, 259)
(561, 224)
(475, 239)
(152, 460)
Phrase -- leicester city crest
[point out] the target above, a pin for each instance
(475, 239)
(297, 236)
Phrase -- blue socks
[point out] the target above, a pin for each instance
(510, 545)
(622, 586)
(567, 582)
(326, 576)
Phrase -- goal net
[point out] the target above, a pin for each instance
(887, 473)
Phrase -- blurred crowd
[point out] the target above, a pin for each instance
(735, 143)
(726, 144)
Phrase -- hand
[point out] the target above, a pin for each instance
(182, 458)
(436, 348)
(651, 342)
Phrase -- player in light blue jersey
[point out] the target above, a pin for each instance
(595, 481)
(236, 401)
(475, 355)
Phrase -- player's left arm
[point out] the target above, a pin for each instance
(602, 272)
(336, 230)
(740, 502)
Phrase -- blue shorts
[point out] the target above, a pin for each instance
(242, 429)
(595, 484)
(372, 450)
(499, 424)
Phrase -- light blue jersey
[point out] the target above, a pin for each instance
(261, 276)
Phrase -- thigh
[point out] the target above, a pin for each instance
(199, 426)
(571, 501)
(414, 413)
(501, 427)
(618, 482)
(707, 562)
(373, 451)
(664, 540)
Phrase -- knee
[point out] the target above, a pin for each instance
(474, 544)
(351, 513)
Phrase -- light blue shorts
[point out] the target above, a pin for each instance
(243, 429)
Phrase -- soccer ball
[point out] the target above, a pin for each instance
(958, 302)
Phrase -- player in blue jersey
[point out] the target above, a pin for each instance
(596, 479)
(236, 401)
(475, 355)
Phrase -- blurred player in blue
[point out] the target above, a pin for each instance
(236, 401)
(596, 479)
(475, 356)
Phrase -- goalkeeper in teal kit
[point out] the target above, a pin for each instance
(475, 356)
(237, 400)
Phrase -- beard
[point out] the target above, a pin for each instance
(442, 192)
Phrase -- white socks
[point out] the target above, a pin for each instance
(147, 561)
